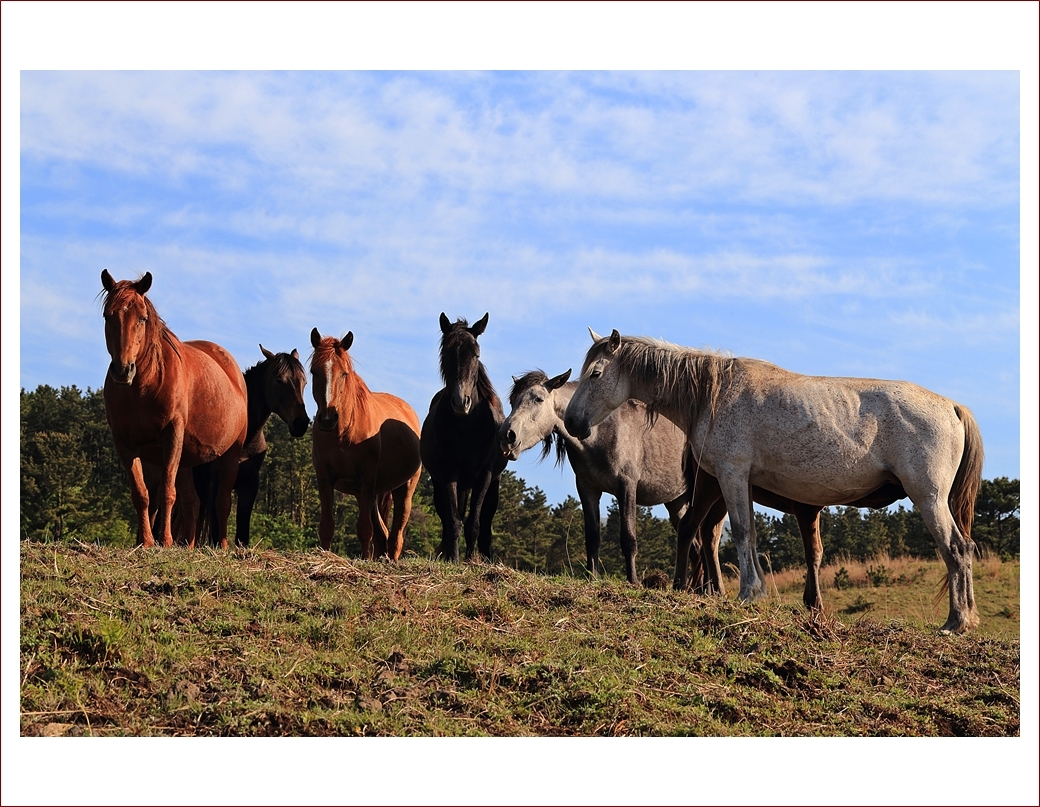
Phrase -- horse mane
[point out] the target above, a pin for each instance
(554, 438)
(282, 364)
(682, 379)
(155, 330)
(451, 340)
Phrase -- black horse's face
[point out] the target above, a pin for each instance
(285, 383)
(460, 362)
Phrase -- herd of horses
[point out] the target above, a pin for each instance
(649, 422)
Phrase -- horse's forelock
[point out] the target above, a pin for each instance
(327, 350)
(524, 383)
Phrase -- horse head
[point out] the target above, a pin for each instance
(533, 413)
(131, 325)
(602, 387)
(284, 381)
(332, 371)
(460, 363)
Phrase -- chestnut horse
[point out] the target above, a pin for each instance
(364, 443)
(817, 439)
(460, 442)
(170, 404)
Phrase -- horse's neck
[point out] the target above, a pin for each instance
(561, 396)
(259, 409)
(155, 364)
(355, 411)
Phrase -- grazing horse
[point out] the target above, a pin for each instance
(622, 457)
(460, 441)
(274, 386)
(365, 444)
(821, 440)
(169, 404)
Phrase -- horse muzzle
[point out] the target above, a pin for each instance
(461, 405)
(577, 427)
(327, 420)
(122, 374)
(298, 427)
(508, 443)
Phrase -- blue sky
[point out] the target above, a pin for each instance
(858, 214)
(837, 223)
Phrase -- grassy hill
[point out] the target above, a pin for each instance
(134, 642)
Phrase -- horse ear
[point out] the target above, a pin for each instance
(479, 325)
(106, 280)
(347, 340)
(559, 381)
(615, 341)
(315, 337)
(295, 354)
(515, 378)
(145, 283)
(267, 353)
(445, 324)
(595, 336)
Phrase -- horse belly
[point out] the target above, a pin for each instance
(217, 416)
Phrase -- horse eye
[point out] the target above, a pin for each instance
(595, 374)
(539, 399)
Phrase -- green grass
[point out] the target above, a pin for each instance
(171, 642)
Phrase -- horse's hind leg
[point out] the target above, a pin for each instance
(706, 493)
(808, 518)
(402, 512)
(380, 518)
(628, 509)
(247, 485)
(590, 515)
(487, 516)
(957, 552)
(226, 468)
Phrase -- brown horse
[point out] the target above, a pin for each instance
(170, 404)
(364, 443)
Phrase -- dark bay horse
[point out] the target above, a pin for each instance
(274, 386)
(621, 457)
(169, 404)
(460, 442)
(817, 439)
(365, 444)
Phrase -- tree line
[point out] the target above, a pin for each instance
(74, 488)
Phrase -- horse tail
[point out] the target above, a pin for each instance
(967, 481)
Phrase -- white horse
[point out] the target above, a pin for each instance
(814, 439)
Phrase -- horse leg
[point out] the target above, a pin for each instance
(368, 514)
(402, 512)
(590, 514)
(189, 510)
(711, 582)
(487, 515)
(327, 521)
(226, 469)
(446, 502)
(172, 439)
(139, 497)
(736, 491)
(627, 512)
(247, 485)
(380, 506)
(957, 552)
(808, 517)
(473, 518)
(706, 493)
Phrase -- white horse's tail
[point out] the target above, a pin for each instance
(968, 480)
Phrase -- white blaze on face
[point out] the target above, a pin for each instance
(328, 383)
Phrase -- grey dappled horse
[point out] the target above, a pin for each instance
(821, 440)
(621, 456)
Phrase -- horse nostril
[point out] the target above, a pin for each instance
(511, 436)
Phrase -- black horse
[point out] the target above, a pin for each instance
(459, 442)
(274, 385)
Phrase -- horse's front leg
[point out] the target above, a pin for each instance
(367, 504)
(590, 515)
(139, 498)
(247, 485)
(380, 517)
(446, 502)
(488, 508)
(172, 440)
(227, 475)
(473, 518)
(736, 490)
